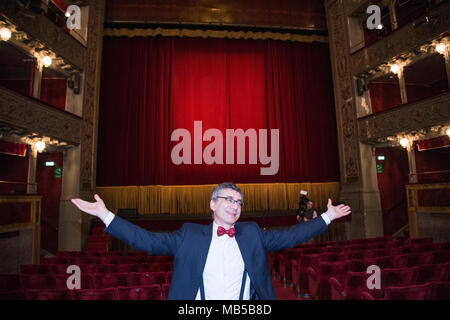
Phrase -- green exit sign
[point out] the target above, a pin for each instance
(379, 168)
(57, 172)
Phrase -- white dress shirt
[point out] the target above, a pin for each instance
(224, 268)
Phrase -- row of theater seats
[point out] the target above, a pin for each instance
(151, 292)
(88, 281)
(315, 270)
(104, 275)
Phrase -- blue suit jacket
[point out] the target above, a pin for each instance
(190, 245)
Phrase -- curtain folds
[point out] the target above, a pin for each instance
(152, 86)
(194, 199)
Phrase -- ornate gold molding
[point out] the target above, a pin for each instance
(401, 42)
(39, 28)
(153, 32)
(32, 116)
(343, 88)
(91, 94)
(412, 117)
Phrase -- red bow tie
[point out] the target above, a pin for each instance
(221, 231)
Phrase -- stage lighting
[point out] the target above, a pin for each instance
(5, 33)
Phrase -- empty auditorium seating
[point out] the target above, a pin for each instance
(151, 292)
(412, 292)
(55, 294)
(94, 294)
(316, 269)
(147, 278)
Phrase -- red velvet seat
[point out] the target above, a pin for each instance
(305, 261)
(165, 290)
(18, 294)
(111, 280)
(168, 277)
(291, 254)
(363, 254)
(153, 267)
(121, 268)
(415, 259)
(147, 278)
(56, 294)
(397, 277)
(430, 273)
(318, 279)
(391, 261)
(151, 292)
(360, 265)
(441, 256)
(353, 285)
(87, 281)
(94, 294)
(413, 292)
(439, 291)
(37, 281)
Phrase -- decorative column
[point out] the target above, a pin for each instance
(359, 186)
(80, 162)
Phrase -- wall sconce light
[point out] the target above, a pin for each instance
(5, 34)
(47, 61)
(395, 68)
(447, 132)
(40, 146)
(404, 142)
(440, 47)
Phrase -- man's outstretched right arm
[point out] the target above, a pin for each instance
(138, 238)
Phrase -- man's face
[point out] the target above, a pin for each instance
(226, 213)
(309, 205)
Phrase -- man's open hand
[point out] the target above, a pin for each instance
(336, 212)
(97, 208)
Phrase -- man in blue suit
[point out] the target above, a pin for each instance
(226, 260)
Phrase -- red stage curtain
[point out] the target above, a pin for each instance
(152, 86)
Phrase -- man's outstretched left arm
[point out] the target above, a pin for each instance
(283, 239)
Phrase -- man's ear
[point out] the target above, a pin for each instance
(212, 205)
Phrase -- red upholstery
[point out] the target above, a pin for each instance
(439, 291)
(121, 268)
(360, 265)
(354, 284)
(94, 294)
(430, 272)
(56, 294)
(304, 263)
(13, 294)
(319, 286)
(37, 281)
(414, 259)
(147, 278)
(397, 277)
(152, 292)
(36, 269)
(87, 281)
(165, 291)
(111, 280)
(156, 266)
(413, 292)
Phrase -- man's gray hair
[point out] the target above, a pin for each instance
(225, 185)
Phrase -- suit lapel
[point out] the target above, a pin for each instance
(243, 241)
(202, 245)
